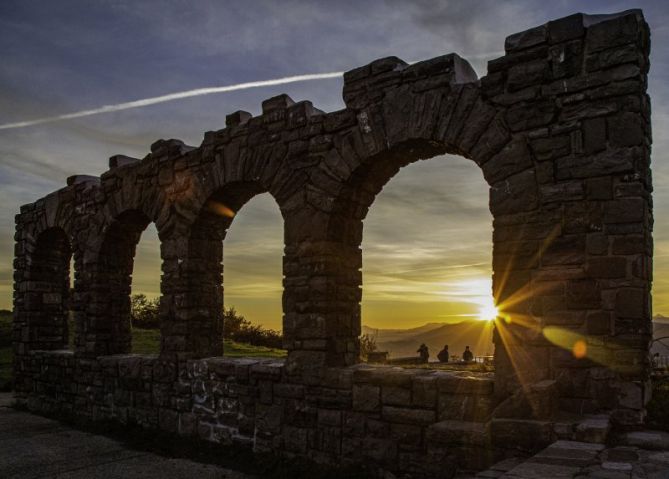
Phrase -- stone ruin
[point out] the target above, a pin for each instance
(560, 127)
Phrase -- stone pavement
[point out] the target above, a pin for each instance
(583, 460)
(34, 447)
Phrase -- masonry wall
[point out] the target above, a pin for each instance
(560, 128)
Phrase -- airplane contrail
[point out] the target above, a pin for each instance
(172, 96)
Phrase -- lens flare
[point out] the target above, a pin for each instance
(488, 311)
(220, 209)
(580, 349)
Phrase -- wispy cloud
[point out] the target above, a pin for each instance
(171, 97)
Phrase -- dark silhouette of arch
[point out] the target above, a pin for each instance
(108, 328)
(200, 283)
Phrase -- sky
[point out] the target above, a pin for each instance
(428, 236)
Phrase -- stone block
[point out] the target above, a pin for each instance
(567, 28)
(449, 383)
(594, 135)
(279, 102)
(366, 398)
(424, 391)
(526, 435)
(528, 38)
(118, 161)
(395, 396)
(614, 30)
(625, 130)
(632, 303)
(403, 415)
(458, 433)
(237, 118)
(407, 435)
(607, 267)
(594, 429)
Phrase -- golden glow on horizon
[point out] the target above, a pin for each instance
(488, 312)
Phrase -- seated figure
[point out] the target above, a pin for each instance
(443, 355)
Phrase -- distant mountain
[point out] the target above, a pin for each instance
(404, 342)
(473, 333)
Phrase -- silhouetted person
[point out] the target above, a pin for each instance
(424, 353)
(467, 356)
(443, 355)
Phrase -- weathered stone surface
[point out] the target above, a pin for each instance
(560, 129)
(593, 430)
(458, 433)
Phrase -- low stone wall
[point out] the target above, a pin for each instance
(417, 421)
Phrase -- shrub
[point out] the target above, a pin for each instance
(144, 312)
(144, 315)
(237, 328)
(367, 345)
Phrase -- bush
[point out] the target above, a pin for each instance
(144, 315)
(144, 312)
(237, 328)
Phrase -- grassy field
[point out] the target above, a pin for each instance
(144, 341)
(147, 341)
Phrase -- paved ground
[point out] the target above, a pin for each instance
(582, 460)
(34, 447)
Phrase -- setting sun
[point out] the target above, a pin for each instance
(488, 312)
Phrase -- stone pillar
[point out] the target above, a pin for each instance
(42, 296)
(191, 307)
(321, 304)
(107, 324)
(580, 265)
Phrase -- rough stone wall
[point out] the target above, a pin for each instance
(560, 128)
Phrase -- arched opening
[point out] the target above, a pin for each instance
(253, 293)
(48, 304)
(252, 258)
(145, 294)
(341, 310)
(427, 262)
(109, 318)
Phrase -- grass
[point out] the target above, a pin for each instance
(144, 341)
(147, 341)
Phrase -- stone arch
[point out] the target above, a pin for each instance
(193, 282)
(107, 328)
(400, 127)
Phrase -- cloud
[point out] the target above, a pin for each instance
(171, 97)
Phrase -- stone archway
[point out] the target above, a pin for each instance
(560, 127)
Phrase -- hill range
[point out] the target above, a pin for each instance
(404, 342)
(473, 333)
